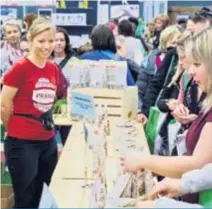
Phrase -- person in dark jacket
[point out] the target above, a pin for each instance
(149, 66)
(161, 22)
(200, 20)
(134, 49)
(171, 87)
(167, 101)
(156, 84)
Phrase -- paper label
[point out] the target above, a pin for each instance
(97, 75)
(47, 200)
(120, 185)
(82, 105)
(74, 74)
(116, 74)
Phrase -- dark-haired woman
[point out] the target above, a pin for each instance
(61, 55)
(62, 52)
(134, 48)
(104, 48)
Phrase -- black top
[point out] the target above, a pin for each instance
(191, 98)
(156, 41)
(157, 82)
(171, 92)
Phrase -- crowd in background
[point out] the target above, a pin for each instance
(170, 65)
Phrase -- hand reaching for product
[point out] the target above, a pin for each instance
(168, 187)
(132, 161)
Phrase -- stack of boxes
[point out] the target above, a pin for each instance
(7, 199)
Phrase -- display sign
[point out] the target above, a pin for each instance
(82, 105)
(69, 19)
(130, 10)
(103, 13)
(7, 14)
(149, 13)
(47, 13)
(160, 7)
(28, 2)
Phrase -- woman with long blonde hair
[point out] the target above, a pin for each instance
(167, 101)
(198, 138)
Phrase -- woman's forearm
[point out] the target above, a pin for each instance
(6, 112)
(172, 167)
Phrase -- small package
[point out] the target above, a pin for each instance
(97, 75)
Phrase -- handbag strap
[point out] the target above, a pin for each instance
(64, 61)
(171, 66)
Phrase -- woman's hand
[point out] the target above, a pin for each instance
(132, 162)
(168, 187)
(141, 118)
(182, 115)
(189, 118)
(7, 96)
(181, 110)
(172, 104)
(184, 119)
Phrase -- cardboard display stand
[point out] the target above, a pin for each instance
(7, 196)
(72, 181)
(120, 103)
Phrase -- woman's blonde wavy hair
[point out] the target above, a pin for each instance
(182, 41)
(38, 26)
(167, 34)
(199, 49)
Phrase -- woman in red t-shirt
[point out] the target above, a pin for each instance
(198, 139)
(29, 92)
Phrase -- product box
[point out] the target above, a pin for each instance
(7, 196)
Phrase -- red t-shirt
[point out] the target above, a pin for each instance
(36, 94)
(195, 130)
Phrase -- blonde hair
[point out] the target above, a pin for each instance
(164, 19)
(12, 22)
(199, 50)
(181, 45)
(167, 34)
(150, 31)
(38, 26)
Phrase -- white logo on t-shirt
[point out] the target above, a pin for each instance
(43, 95)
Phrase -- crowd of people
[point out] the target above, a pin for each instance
(170, 65)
